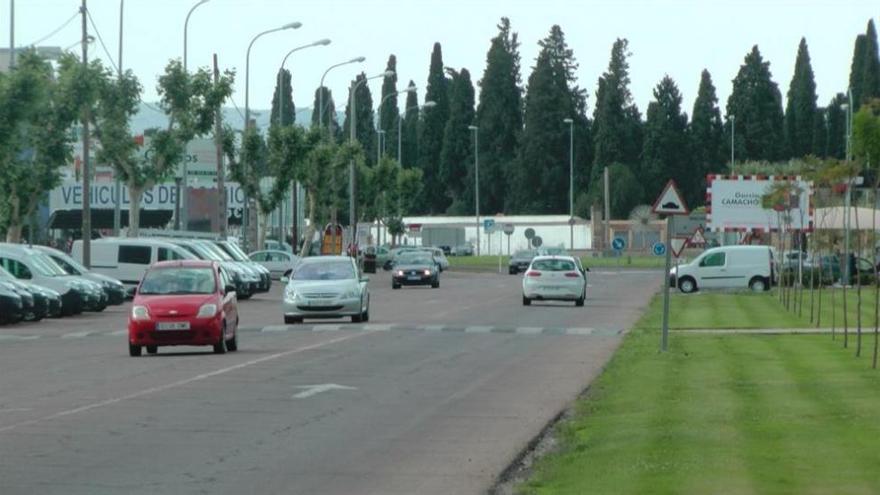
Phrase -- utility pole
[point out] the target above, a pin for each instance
(732, 140)
(86, 180)
(607, 237)
(352, 190)
(222, 210)
(117, 208)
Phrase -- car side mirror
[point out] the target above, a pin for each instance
(285, 279)
(365, 279)
(229, 288)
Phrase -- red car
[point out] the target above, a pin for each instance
(189, 302)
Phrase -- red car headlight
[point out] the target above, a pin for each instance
(140, 313)
(207, 310)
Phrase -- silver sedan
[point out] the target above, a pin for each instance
(326, 287)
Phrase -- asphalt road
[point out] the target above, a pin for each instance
(437, 394)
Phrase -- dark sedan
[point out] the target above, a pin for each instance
(520, 261)
(11, 306)
(415, 269)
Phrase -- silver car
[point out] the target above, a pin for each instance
(326, 287)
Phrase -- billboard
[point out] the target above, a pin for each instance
(734, 204)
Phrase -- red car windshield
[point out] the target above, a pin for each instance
(166, 281)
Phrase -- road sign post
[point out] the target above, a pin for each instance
(670, 203)
(508, 231)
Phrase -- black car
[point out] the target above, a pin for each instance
(520, 261)
(415, 269)
(11, 306)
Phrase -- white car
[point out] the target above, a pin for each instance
(554, 278)
(726, 267)
(327, 287)
(279, 263)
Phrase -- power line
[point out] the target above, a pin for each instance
(101, 40)
(59, 28)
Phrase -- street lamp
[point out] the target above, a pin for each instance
(427, 104)
(570, 123)
(247, 110)
(380, 135)
(409, 89)
(186, 27)
(352, 98)
(323, 42)
(477, 180)
(848, 107)
(732, 135)
(355, 60)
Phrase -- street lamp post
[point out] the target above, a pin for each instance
(427, 104)
(409, 89)
(355, 60)
(352, 178)
(570, 123)
(380, 136)
(849, 183)
(117, 207)
(247, 111)
(476, 131)
(732, 140)
(323, 42)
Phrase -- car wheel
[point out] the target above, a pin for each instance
(100, 308)
(687, 285)
(435, 284)
(357, 318)
(395, 286)
(512, 271)
(579, 301)
(527, 301)
(134, 350)
(232, 344)
(152, 349)
(366, 316)
(220, 347)
(290, 320)
(758, 284)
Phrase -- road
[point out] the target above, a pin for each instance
(437, 394)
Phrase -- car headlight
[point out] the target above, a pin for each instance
(290, 292)
(352, 294)
(207, 311)
(428, 273)
(140, 313)
(399, 273)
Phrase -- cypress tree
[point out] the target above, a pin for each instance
(835, 126)
(820, 133)
(330, 121)
(456, 155)
(617, 134)
(800, 111)
(499, 117)
(705, 140)
(542, 163)
(757, 104)
(857, 69)
(431, 134)
(410, 128)
(871, 75)
(665, 155)
(365, 130)
(389, 112)
(282, 86)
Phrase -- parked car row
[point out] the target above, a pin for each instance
(41, 282)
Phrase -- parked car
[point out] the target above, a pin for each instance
(188, 302)
(554, 278)
(447, 250)
(418, 268)
(127, 259)
(11, 306)
(326, 287)
(521, 260)
(114, 289)
(279, 263)
(232, 249)
(245, 285)
(463, 250)
(726, 267)
(51, 297)
(30, 265)
(252, 271)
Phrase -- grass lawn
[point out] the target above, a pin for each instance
(491, 262)
(722, 414)
(706, 310)
(834, 313)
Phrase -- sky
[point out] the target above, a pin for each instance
(678, 38)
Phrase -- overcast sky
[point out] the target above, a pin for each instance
(679, 38)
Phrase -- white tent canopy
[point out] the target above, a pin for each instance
(832, 218)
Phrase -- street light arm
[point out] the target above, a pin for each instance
(247, 65)
(186, 27)
(323, 42)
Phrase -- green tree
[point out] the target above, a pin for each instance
(410, 129)
(705, 141)
(542, 166)
(626, 190)
(800, 112)
(857, 68)
(37, 110)
(365, 129)
(871, 75)
(330, 121)
(835, 128)
(616, 131)
(282, 86)
(757, 104)
(190, 102)
(457, 152)
(499, 117)
(389, 111)
(666, 155)
(431, 134)
(866, 135)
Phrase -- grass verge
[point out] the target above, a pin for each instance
(721, 414)
(491, 262)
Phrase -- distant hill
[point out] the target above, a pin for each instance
(149, 116)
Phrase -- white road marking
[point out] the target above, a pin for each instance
(378, 328)
(76, 335)
(118, 333)
(433, 328)
(275, 328)
(579, 331)
(529, 330)
(311, 390)
(326, 328)
(19, 337)
(478, 329)
(181, 383)
(14, 409)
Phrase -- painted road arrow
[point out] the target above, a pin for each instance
(310, 390)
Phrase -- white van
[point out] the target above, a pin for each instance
(727, 267)
(127, 260)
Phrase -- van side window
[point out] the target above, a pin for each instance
(166, 254)
(17, 269)
(714, 259)
(138, 255)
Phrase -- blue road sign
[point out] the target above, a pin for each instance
(659, 249)
(488, 225)
(618, 244)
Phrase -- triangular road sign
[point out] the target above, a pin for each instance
(670, 201)
(677, 245)
(698, 239)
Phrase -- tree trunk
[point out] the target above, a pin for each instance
(263, 219)
(134, 210)
(310, 232)
(13, 230)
